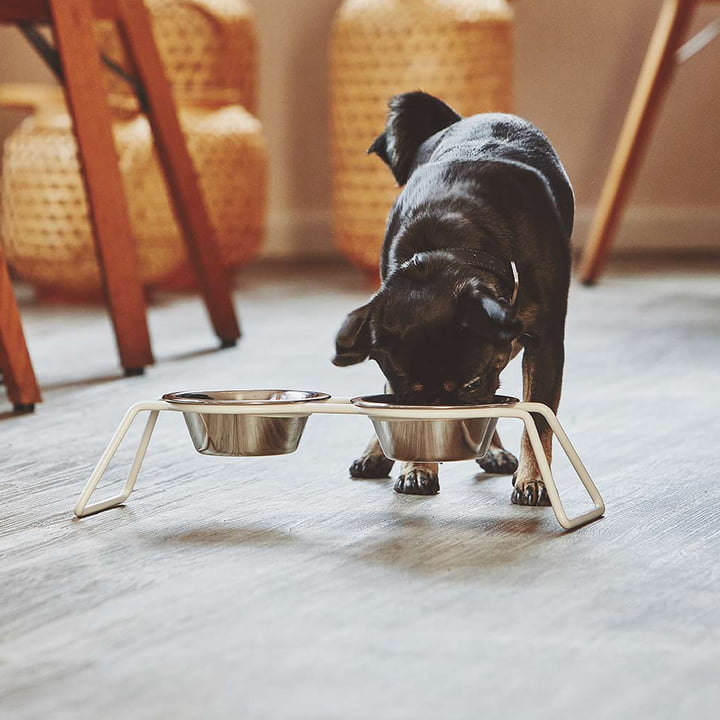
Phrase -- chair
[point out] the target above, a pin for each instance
(15, 365)
(79, 65)
(654, 79)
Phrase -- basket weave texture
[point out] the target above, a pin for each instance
(208, 49)
(459, 50)
(45, 225)
(209, 53)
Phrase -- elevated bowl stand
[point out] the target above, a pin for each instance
(342, 406)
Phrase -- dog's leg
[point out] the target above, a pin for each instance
(497, 460)
(372, 463)
(418, 479)
(542, 382)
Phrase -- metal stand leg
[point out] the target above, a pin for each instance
(546, 473)
(82, 509)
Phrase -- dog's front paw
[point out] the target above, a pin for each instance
(529, 493)
(371, 466)
(498, 461)
(418, 481)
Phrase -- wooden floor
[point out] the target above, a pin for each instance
(279, 588)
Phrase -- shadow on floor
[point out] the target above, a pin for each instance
(226, 535)
(457, 549)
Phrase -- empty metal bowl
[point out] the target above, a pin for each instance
(245, 435)
(431, 439)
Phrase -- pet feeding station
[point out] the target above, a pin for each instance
(271, 422)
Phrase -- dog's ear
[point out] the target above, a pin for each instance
(353, 341)
(486, 315)
(379, 147)
(412, 119)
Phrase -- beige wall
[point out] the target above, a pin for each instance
(576, 66)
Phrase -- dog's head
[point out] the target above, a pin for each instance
(437, 332)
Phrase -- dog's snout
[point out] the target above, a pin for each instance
(419, 394)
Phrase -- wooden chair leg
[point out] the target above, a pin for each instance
(654, 79)
(15, 364)
(182, 182)
(92, 124)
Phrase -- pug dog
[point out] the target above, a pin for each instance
(475, 268)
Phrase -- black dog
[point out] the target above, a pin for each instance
(475, 267)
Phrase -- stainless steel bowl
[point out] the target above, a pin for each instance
(245, 435)
(431, 439)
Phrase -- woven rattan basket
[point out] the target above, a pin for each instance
(208, 49)
(460, 50)
(45, 226)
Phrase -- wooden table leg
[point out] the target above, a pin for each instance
(92, 124)
(15, 364)
(654, 78)
(182, 181)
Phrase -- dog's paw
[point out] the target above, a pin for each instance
(371, 466)
(498, 461)
(530, 493)
(418, 481)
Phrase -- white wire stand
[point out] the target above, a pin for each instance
(342, 406)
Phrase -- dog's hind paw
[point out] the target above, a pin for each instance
(371, 466)
(531, 493)
(498, 461)
(417, 481)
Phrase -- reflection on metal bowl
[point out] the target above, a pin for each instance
(430, 439)
(243, 435)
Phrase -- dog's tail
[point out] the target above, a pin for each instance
(412, 119)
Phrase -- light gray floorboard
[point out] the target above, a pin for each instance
(278, 588)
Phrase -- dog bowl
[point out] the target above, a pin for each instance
(430, 439)
(245, 435)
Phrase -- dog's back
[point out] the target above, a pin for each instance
(491, 182)
(508, 140)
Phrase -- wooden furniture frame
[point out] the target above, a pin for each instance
(15, 364)
(72, 26)
(654, 79)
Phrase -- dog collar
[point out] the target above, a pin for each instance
(516, 282)
(506, 272)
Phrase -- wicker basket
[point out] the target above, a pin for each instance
(459, 50)
(208, 49)
(45, 226)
